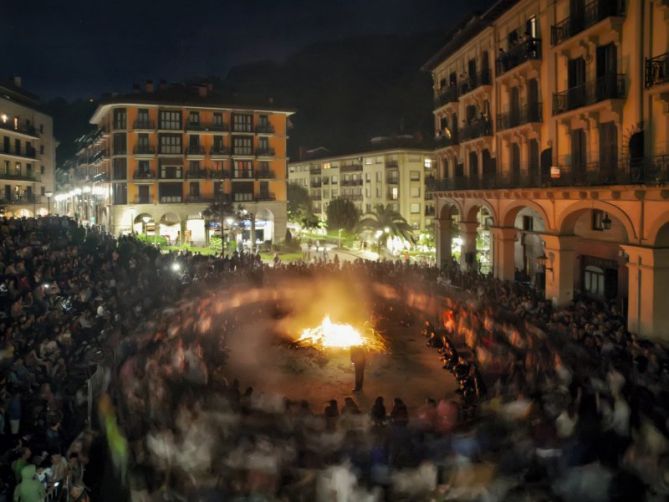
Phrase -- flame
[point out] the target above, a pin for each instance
(339, 336)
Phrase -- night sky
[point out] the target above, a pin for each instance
(81, 48)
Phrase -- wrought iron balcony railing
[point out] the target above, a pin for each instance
(144, 125)
(265, 129)
(447, 94)
(526, 114)
(594, 12)
(265, 196)
(143, 175)
(518, 54)
(606, 87)
(474, 81)
(657, 70)
(448, 138)
(20, 128)
(144, 150)
(265, 152)
(476, 129)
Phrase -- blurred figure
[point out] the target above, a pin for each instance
(358, 358)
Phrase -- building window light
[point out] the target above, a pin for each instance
(428, 163)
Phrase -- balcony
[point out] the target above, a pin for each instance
(242, 128)
(351, 183)
(170, 152)
(657, 70)
(27, 153)
(171, 174)
(18, 176)
(242, 174)
(265, 196)
(144, 176)
(265, 129)
(25, 130)
(527, 50)
(144, 151)
(195, 151)
(473, 82)
(589, 93)
(242, 152)
(198, 174)
(476, 129)
(144, 125)
(265, 152)
(447, 94)
(24, 199)
(526, 114)
(199, 199)
(265, 174)
(446, 139)
(171, 199)
(595, 11)
(350, 168)
(220, 151)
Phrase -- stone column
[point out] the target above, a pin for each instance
(504, 252)
(443, 234)
(560, 268)
(648, 301)
(468, 233)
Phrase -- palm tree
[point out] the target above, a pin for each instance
(386, 222)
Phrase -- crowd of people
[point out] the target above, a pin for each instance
(553, 404)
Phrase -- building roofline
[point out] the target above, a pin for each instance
(465, 31)
(205, 103)
(363, 153)
(19, 95)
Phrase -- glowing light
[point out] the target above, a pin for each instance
(4, 118)
(330, 335)
(77, 191)
(87, 189)
(176, 266)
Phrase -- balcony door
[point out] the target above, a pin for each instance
(576, 16)
(533, 100)
(608, 151)
(143, 194)
(534, 165)
(474, 168)
(489, 174)
(514, 106)
(576, 83)
(578, 154)
(607, 69)
(515, 164)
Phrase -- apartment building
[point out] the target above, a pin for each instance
(162, 155)
(27, 153)
(385, 176)
(551, 124)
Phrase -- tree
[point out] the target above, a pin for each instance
(299, 202)
(342, 214)
(388, 222)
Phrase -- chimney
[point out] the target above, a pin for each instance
(163, 85)
(17, 81)
(148, 87)
(202, 90)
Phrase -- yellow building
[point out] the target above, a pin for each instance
(383, 176)
(551, 119)
(27, 153)
(168, 152)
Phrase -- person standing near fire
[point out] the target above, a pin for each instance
(359, 359)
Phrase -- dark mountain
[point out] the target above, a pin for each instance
(347, 91)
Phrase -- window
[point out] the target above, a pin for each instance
(263, 121)
(378, 177)
(242, 146)
(263, 144)
(394, 193)
(143, 117)
(218, 188)
(415, 191)
(414, 175)
(528, 223)
(335, 180)
(598, 220)
(243, 191)
(119, 118)
(119, 169)
(194, 189)
(369, 161)
(120, 193)
(415, 208)
(194, 119)
(242, 122)
(119, 144)
(243, 169)
(368, 177)
(326, 165)
(378, 191)
(218, 119)
(143, 167)
(41, 169)
(170, 172)
(41, 149)
(142, 142)
(593, 280)
(427, 163)
(170, 192)
(170, 120)
(194, 165)
(170, 143)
